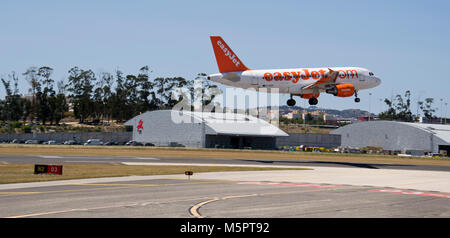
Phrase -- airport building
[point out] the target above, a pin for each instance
(410, 138)
(204, 129)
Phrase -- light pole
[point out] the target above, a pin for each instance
(445, 116)
(441, 109)
(380, 105)
(370, 96)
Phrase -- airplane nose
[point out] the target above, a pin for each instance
(377, 81)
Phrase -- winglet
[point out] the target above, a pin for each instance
(226, 59)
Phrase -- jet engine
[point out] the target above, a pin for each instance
(342, 90)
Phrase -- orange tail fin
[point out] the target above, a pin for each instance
(225, 57)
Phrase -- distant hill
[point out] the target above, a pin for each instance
(348, 113)
(344, 114)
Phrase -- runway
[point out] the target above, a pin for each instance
(181, 198)
(55, 159)
(327, 190)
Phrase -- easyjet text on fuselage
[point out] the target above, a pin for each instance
(305, 74)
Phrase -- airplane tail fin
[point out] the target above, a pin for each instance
(225, 57)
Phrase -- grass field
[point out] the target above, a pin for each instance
(22, 173)
(15, 173)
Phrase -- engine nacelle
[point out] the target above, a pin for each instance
(342, 90)
(309, 95)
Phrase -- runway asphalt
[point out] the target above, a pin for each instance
(328, 190)
(34, 159)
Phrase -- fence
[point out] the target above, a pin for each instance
(119, 137)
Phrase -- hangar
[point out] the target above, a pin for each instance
(401, 136)
(204, 129)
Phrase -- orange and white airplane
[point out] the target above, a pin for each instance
(307, 83)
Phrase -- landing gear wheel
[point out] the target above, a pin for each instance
(356, 97)
(290, 102)
(313, 101)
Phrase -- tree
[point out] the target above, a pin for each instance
(80, 87)
(46, 99)
(146, 96)
(60, 107)
(399, 108)
(14, 107)
(427, 107)
(118, 98)
(164, 87)
(31, 77)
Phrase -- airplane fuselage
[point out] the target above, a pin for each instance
(293, 81)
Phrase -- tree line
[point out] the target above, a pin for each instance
(399, 108)
(93, 97)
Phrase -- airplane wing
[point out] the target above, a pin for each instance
(325, 82)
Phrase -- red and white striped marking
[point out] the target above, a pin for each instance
(289, 184)
(412, 192)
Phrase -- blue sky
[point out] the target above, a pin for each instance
(406, 43)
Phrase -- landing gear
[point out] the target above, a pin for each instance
(313, 101)
(356, 97)
(290, 102)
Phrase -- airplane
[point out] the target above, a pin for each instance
(307, 83)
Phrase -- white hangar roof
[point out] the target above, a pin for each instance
(393, 135)
(439, 130)
(218, 123)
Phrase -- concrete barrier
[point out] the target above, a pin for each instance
(309, 139)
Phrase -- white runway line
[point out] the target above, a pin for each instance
(146, 158)
(213, 165)
(51, 157)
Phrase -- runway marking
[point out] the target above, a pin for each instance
(145, 158)
(106, 207)
(16, 193)
(51, 156)
(283, 184)
(106, 187)
(112, 184)
(141, 185)
(59, 191)
(408, 192)
(93, 162)
(194, 209)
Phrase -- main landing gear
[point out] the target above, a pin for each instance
(356, 97)
(313, 101)
(290, 102)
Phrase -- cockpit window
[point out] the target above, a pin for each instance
(371, 74)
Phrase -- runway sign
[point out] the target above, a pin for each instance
(47, 169)
(189, 173)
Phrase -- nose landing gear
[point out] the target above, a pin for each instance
(356, 97)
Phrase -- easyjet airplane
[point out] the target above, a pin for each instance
(307, 83)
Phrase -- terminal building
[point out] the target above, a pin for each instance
(204, 129)
(410, 138)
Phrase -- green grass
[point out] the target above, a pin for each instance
(22, 173)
